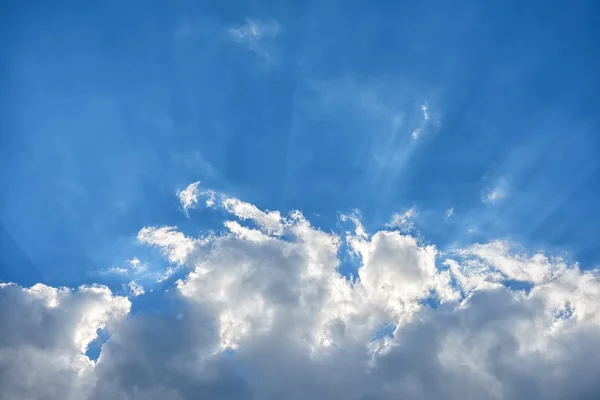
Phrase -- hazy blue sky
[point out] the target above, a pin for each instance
(457, 123)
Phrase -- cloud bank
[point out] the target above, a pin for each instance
(263, 313)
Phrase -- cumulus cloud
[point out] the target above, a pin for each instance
(264, 313)
(44, 333)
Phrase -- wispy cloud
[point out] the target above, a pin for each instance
(258, 37)
(117, 271)
(424, 124)
(403, 221)
(188, 197)
(132, 267)
(136, 289)
(425, 113)
(136, 265)
(415, 134)
(495, 193)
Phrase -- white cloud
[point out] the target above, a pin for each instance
(270, 221)
(403, 221)
(424, 109)
(136, 289)
(175, 245)
(118, 271)
(449, 213)
(44, 333)
(415, 134)
(137, 265)
(189, 196)
(424, 126)
(263, 313)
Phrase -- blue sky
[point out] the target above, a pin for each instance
(153, 154)
(111, 108)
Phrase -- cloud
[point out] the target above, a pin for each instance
(264, 313)
(137, 265)
(189, 196)
(493, 195)
(175, 245)
(44, 333)
(449, 213)
(424, 108)
(425, 124)
(403, 221)
(496, 193)
(258, 37)
(136, 289)
(134, 266)
(118, 271)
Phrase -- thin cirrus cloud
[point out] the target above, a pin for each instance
(189, 197)
(424, 125)
(495, 193)
(264, 313)
(258, 37)
(424, 108)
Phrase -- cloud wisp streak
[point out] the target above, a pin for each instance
(258, 37)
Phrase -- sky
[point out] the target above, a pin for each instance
(319, 199)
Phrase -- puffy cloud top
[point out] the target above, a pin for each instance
(265, 314)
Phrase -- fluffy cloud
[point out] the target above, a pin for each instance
(44, 333)
(263, 313)
(189, 196)
(403, 221)
(136, 289)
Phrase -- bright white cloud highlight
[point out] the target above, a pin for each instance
(136, 289)
(403, 221)
(189, 196)
(263, 313)
(175, 245)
